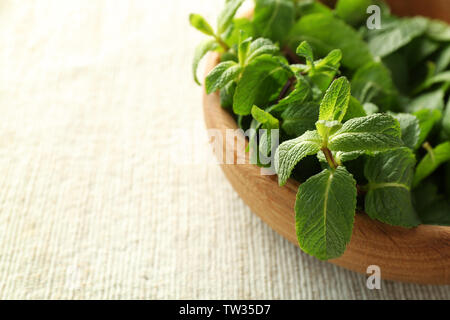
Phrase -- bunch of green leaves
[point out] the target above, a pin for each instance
(363, 115)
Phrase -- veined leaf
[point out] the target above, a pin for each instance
(265, 118)
(226, 95)
(335, 102)
(259, 47)
(325, 210)
(304, 50)
(273, 18)
(202, 49)
(226, 16)
(251, 81)
(409, 124)
(323, 71)
(301, 93)
(427, 119)
(268, 122)
(299, 118)
(377, 132)
(221, 75)
(388, 198)
(326, 128)
(373, 83)
(325, 33)
(434, 158)
(398, 35)
(330, 63)
(243, 48)
(290, 153)
(199, 23)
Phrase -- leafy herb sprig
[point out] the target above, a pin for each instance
(364, 115)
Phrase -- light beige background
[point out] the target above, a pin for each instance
(98, 195)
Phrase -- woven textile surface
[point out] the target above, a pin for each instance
(104, 191)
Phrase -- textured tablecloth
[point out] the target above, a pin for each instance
(103, 193)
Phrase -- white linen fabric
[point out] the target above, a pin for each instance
(104, 192)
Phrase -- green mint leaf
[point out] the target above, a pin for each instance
(202, 49)
(301, 93)
(299, 118)
(199, 23)
(432, 207)
(410, 126)
(373, 83)
(335, 102)
(434, 158)
(433, 100)
(446, 121)
(273, 18)
(355, 110)
(234, 31)
(443, 60)
(323, 71)
(226, 95)
(419, 49)
(307, 7)
(325, 33)
(221, 75)
(304, 50)
(396, 36)
(324, 213)
(438, 78)
(290, 153)
(265, 118)
(438, 30)
(353, 11)
(377, 132)
(330, 63)
(326, 128)
(252, 80)
(244, 45)
(259, 47)
(427, 120)
(226, 16)
(370, 108)
(388, 198)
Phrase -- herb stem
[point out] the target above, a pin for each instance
(292, 57)
(330, 159)
(284, 92)
(427, 146)
(222, 43)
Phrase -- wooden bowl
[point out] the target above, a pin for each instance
(419, 255)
